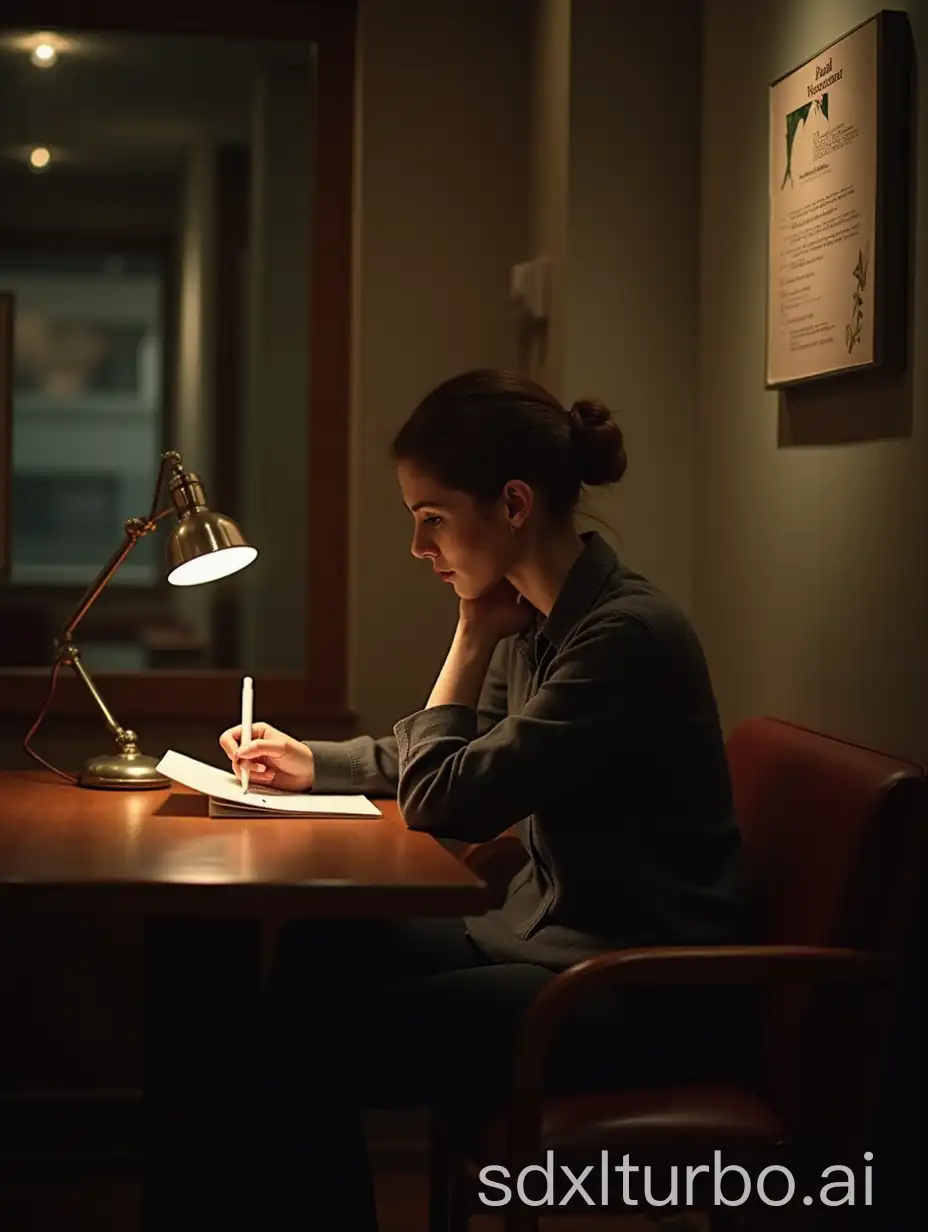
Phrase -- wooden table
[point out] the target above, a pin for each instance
(206, 888)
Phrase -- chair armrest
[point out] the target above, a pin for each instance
(719, 964)
(759, 965)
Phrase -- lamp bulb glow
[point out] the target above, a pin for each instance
(212, 566)
(44, 55)
(40, 158)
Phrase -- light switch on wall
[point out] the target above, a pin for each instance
(530, 287)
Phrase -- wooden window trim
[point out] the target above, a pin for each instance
(319, 693)
(6, 422)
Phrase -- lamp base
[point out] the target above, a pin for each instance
(128, 771)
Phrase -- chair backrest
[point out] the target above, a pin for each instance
(834, 838)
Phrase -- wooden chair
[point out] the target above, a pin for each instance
(835, 841)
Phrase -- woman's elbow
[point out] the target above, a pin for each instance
(439, 814)
(420, 805)
(424, 820)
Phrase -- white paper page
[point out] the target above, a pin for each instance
(223, 785)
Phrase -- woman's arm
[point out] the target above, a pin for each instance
(460, 681)
(456, 783)
(364, 764)
(370, 765)
(494, 696)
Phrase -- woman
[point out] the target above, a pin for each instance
(574, 703)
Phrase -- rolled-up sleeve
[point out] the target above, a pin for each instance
(456, 783)
(365, 764)
(360, 765)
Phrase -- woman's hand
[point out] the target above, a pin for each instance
(495, 614)
(273, 758)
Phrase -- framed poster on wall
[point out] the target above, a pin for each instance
(6, 429)
(837, 190)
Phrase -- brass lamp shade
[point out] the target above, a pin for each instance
(204, 545)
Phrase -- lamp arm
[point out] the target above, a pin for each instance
(65, 650)
(135, 528)
(70, 654)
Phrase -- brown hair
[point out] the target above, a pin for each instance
(477, 431)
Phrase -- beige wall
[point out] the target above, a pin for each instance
(441, 219)
(542, 350)
(632, 286)
(811, 564)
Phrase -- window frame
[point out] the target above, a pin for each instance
(318, 693)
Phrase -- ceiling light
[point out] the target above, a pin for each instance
(40, 158)
(44, 55)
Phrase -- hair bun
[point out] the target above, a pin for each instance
(599, 443)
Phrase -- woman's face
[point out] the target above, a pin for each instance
(469, 545)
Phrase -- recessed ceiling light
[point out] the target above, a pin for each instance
(40, 158)
(44, 55)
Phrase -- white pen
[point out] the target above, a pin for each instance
(248, 703)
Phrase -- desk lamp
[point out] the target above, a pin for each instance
(203, 546)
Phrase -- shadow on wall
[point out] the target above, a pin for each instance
(857, 407)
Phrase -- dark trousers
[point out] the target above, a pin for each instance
(380, 1014)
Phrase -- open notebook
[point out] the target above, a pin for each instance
(227, 799)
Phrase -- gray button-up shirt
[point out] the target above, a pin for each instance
(597, 736)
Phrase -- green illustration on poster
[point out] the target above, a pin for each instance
(793, 121)
(860, 280)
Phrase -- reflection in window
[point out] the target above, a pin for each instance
(64, 358)
(87, 411)
(55, 514)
